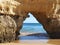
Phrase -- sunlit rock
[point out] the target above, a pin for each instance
(9, 20)
(8, 28)
(14, 12)
(8, 6)
(47, 12)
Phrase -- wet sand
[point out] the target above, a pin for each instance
(34, 39)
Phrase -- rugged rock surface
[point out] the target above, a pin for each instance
(47, 12)
(8, 28)
(10, 20)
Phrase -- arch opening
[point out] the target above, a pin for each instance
(31, 25)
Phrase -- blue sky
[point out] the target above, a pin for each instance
(31, 19)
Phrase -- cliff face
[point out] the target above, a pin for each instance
(40, 9)
(10, 21)
(12, 15)
(46, 12)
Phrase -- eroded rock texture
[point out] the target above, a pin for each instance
(7, 29)
(10, 21)
(10, 27)
(47, 12)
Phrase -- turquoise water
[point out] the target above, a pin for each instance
(36, 29)
(33, 28)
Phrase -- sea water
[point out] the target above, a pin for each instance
(32, 28)
(36, 29)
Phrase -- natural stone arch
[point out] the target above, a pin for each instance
(45, 12)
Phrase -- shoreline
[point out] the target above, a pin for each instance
(33, 36)
(26, 33)
(30, 33)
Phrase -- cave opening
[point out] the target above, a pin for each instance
(31, 25)
(32, 29)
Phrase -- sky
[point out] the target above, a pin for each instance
(31, 19)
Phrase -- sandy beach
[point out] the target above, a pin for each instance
(34, 42)
(29, 41)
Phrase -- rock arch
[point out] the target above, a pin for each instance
(45, 12)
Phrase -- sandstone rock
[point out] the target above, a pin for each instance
(19, 22)
(47, 12)
(8, 28)
(10, 20)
